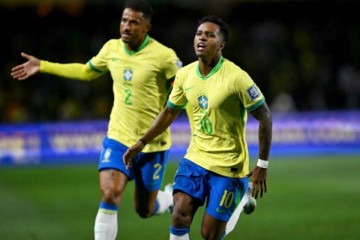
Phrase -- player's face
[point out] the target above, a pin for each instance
(208, 41)
(133, 28)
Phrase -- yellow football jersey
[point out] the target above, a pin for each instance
(217, 107)
(140, 85)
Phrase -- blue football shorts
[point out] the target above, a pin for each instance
(220, 193)
(147, 168)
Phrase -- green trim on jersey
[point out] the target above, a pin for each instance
(142, 46)
(255, 106)
(173, 106)
(94, 68)
(213, 71)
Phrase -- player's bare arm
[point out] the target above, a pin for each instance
(27, 69)
(263, 115)
(259, 174)
(161, 123)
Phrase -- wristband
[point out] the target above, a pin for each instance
(262, 163)
(143, 141)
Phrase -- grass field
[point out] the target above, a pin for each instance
(308, 198)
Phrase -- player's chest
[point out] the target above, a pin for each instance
(209, 93)
(132, 69)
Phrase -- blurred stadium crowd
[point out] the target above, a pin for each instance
(304, 55)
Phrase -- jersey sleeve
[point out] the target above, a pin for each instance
(99, 63)
(94, 68)
(172, 64)
(249, 93)
(78, 71)
(177, 98)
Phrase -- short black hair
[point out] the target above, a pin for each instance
(140, 6)
(224, 27)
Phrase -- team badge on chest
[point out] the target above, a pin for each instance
(128, 73)
(203, 102)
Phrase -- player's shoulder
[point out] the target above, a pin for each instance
(160, 47)
(232, 66)
(191, 67)
(235, 70)
(113, 43)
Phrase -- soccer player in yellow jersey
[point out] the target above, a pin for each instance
(142, 71)
(215, 168)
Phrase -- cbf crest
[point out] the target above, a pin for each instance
(203, 102)
(128, 73)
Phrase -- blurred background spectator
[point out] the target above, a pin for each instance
(304, 55)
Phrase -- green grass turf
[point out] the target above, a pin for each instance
(308, 198)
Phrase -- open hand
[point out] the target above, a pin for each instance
(27, 69)
(259, 186)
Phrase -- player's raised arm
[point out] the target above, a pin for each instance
(27, 69)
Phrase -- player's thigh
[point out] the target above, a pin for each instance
(111, 157)
(149, 170)
(222, 198)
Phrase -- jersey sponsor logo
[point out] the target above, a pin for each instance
(253, 92)
(203, 102)
(128, 75)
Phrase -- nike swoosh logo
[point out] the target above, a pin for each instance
(153, 183)
(220, 210)
(187, 89)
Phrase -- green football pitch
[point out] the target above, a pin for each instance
(314, 197)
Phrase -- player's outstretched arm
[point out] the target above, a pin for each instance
(27, 69)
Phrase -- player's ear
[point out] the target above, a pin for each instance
(222, 45)
(148, 27)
